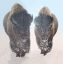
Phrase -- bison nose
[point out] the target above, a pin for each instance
(44, 40)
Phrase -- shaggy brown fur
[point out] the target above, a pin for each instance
(46, 11)
(16, 24)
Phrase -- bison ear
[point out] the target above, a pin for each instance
(12, 20)
(51, 18)
(31, 18)
(36, 20)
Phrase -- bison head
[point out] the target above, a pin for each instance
(21, 22)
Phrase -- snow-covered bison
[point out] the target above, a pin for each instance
(17, 26)
(46, 25)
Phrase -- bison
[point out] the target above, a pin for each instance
(17, 26)
(46, 25)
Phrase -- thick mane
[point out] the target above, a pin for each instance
(16, 8)
(45, 10)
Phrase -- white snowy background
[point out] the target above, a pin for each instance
(34, 57)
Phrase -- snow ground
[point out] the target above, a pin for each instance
(34, 57)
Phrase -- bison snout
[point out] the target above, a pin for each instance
(44, 40)
(44, 43)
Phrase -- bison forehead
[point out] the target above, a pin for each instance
(22, 18)
(43, 20)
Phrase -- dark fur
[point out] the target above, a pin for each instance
(43, 20)
(44, 29)
(23, 20)
(17, 27)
